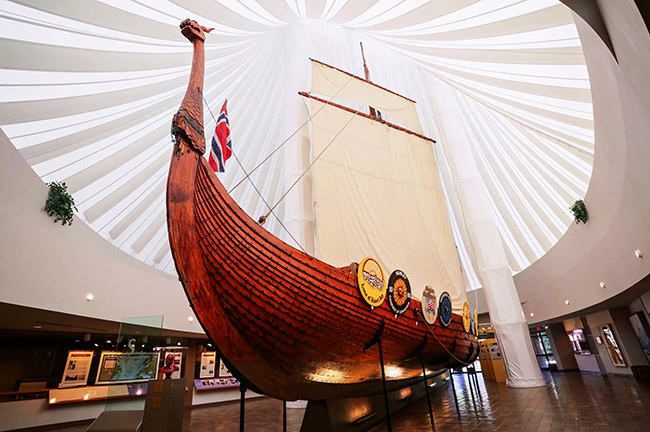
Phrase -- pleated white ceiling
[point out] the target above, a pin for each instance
(88, 90)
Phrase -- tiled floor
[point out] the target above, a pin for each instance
(570, 402)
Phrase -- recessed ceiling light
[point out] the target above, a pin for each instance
(602, 285)
(532, 314)
(179, 344)
(37, 326)
(90, 297)
(190, 318)
(638, 253)
(566, 301)
(109, 341)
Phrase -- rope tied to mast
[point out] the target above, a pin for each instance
(262, 219)
(293, 133)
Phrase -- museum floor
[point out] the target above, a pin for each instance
(570, 402)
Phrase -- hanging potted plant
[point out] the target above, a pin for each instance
(60, 203)
(579, 211)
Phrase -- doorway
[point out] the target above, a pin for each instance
(543, 350)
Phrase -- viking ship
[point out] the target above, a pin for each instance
(287, 324)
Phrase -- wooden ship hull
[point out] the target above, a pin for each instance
(287, 324)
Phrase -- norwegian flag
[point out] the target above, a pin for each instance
(221, 145)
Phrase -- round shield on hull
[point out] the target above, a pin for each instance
(444, 310)
(467, 318)
(429, 305)
(399, 292)
(372, 282)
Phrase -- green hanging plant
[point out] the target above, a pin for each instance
(579, 211)
(59, 203)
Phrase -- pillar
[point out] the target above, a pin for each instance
(502, 298)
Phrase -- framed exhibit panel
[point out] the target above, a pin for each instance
(612, 346)
(77, 367)
(118, 367)
(172, 362)
(642, 330)
(208, 364)
(223, 370)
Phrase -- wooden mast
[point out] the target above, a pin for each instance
(365, 66)
(373, 112)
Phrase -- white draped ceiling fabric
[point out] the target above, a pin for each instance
(88, 90)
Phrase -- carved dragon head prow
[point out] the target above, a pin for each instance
(188, 121)
(192, 30)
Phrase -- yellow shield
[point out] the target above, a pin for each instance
(372, 282)
(467, 318)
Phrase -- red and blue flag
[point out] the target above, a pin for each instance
(221, 148)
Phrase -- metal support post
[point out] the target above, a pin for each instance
(376, 339)
(453, 390)
(242, 407)
(468, 379)
(426, 389)
(383, 381)
(284, 416)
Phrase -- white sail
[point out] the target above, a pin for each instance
(331, 82)
(377, 192)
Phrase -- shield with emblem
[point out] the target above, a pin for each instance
(399, 292)
(372, 283)
(467, 318)
(444, 313)
(429, 305)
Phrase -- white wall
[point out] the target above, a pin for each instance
(617, 199)
(53, 267)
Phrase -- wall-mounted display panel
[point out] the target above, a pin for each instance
(172, 364)
(215, 383)
(613, 348)
(223, 370)
(77, 368)
(208, 364)
(117, 367)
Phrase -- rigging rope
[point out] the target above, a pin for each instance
(312, 162)
(440, 343)
(292, 134)
(253, 183)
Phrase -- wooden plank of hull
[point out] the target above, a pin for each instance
(293, 326)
